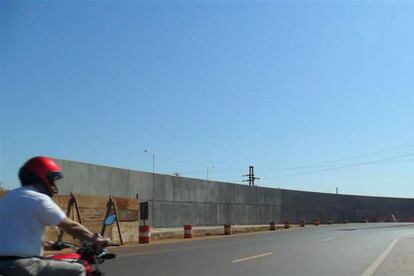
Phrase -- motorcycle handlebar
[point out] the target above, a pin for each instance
(106, 255)
(59, 245)
(62, 245)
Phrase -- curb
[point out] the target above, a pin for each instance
(178, 234)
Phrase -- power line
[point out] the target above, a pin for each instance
(327, 165)
(395, 161)
(324, 164)
(370, 154)
(378, 161)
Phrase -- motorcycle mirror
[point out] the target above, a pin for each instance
(109, 219)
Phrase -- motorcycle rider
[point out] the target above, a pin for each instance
(24, 213)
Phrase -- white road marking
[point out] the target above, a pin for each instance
(252, 257)
(374, 266)
(328, 239)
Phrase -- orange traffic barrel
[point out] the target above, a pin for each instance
(188, 231)
(272, 226)
(227, 229)
(144, 234)
(287, 225)
(302, 223)
(316, 221)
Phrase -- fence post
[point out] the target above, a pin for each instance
(227, 229)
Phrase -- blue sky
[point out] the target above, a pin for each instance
(283, 86)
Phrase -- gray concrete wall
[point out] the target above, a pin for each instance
(175, 201)
(307, 205)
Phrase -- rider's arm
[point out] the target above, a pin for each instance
(48, 245)
(75, 229)
(78, 231)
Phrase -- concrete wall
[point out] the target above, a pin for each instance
(297, 205)
(175, 201)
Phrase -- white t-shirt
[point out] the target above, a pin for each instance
(24, 213)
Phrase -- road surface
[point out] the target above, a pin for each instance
(339, 249)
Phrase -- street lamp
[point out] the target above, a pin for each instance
(212, 167)
(153, 159)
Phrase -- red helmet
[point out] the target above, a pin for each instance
(41, 170)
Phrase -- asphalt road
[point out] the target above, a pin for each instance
(339, 249)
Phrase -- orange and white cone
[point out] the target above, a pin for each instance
(144, 234)
(188, 231)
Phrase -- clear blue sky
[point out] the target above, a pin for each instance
(283, 86)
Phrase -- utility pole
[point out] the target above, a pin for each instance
(250, 177)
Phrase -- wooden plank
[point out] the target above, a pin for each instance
(127, 215)
(129, 230)
(95, 227)
(92, 214)
(93, 208)
(87, 201)
(126, 203)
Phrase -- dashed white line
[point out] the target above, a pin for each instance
(374, 266)
(328, 239)
(252, 257)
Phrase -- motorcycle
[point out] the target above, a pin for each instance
(88, 254)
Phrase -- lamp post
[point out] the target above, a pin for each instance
(153, 159)
(212, 167)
